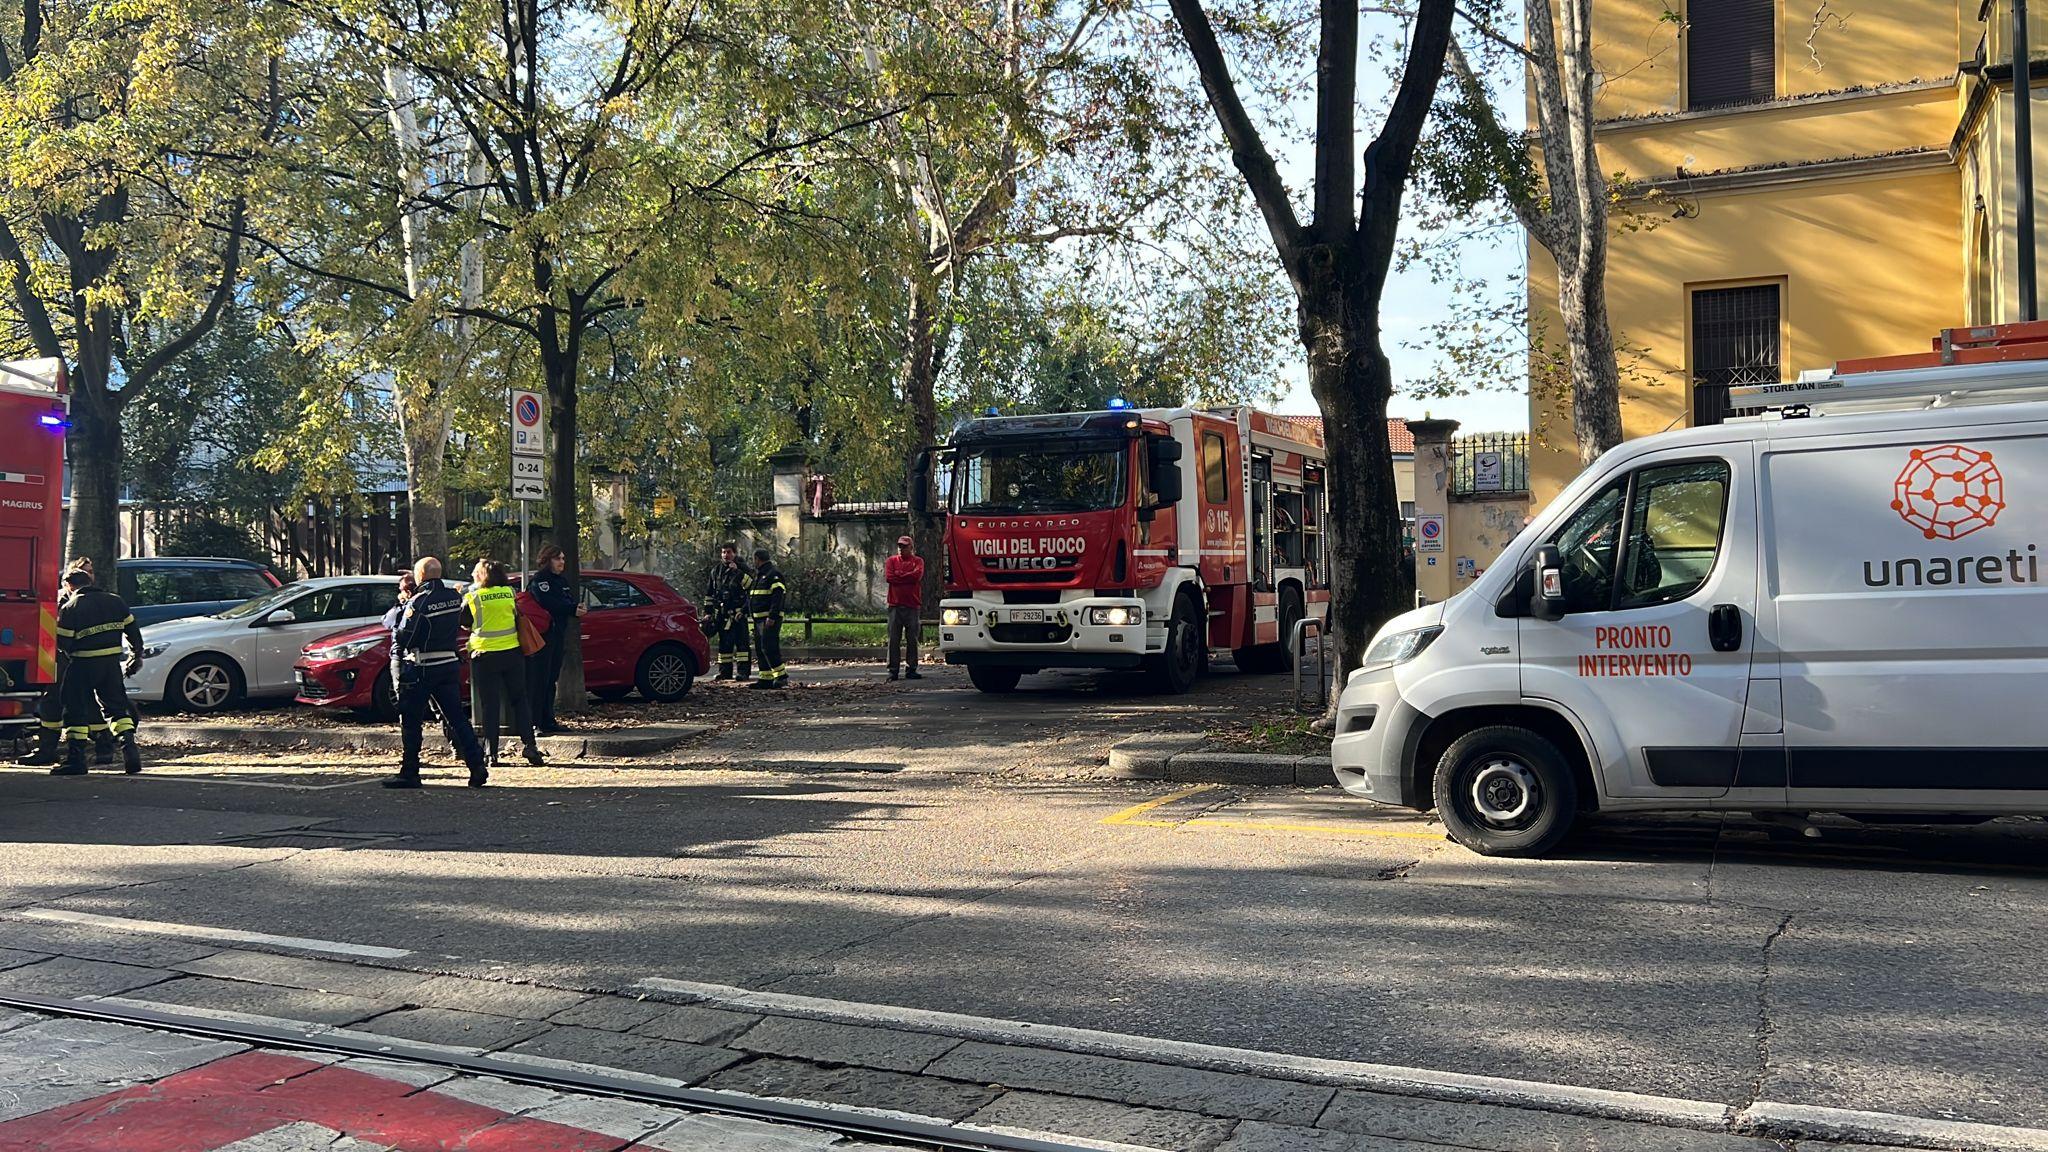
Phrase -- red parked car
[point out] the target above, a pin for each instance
(638, 633)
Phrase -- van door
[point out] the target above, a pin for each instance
(1653, 655)
(1912, 617)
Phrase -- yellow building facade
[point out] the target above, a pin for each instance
(1831, 180)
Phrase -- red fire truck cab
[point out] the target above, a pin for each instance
(33, 416)
(1129, 538)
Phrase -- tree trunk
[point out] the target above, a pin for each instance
(426, 491)
(920, 391)
(1589, 345)
(93, 445)
(560, 369)
(1352, 381)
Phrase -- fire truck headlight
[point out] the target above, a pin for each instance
(1116, 617)
(956, 617)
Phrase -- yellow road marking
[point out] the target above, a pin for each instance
(1129, 816)
(1310, 829)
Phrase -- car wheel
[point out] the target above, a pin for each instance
(384, 697)
(1505, 791)
(1175, 669)
(993, 678)
(665, 674)
(205, 683)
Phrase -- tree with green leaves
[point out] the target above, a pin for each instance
(133, 136)
(1564, 202)
(1338, 261)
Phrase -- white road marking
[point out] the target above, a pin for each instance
(202, 932)
(1785, 1121)
(199, 779)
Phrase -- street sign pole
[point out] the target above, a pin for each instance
(527, 439)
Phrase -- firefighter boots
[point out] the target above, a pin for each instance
(131, 756)
(47, 751)
(102, 752)
(74, 760)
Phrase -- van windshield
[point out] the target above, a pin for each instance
(1039, 478)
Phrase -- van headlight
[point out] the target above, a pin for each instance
(1400, 646)
(1116, 617)
(956, 617)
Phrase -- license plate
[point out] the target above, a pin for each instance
(1027, 615)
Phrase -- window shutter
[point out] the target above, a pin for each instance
(1734, 341)
(1730, 52)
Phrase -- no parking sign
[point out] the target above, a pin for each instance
(1429, 533)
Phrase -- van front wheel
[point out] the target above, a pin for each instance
(1505, 791)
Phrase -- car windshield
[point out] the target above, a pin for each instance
(263, 603)
(1038, 478)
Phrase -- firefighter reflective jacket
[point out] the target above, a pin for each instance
(92, 622)
(765, 592)
(725, 592)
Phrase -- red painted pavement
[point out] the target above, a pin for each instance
(246, 1095)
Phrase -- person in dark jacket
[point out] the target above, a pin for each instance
(555, 593)
(90, 629)
(428, 631)
(725, 609)
(765, 593)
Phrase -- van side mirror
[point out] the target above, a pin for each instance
(921, 483)
(1546, 570)
(1163, 465)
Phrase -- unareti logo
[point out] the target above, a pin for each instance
(1949, 491)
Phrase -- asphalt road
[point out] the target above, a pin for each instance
(930, 847)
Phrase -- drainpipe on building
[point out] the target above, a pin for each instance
(2023, 153)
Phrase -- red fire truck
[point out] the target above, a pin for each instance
(1074, 541)
(33, 415)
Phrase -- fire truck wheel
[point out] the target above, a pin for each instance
(990, 678)
(1175, 669)
(205, 683)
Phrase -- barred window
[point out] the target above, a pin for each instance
(1734, 341)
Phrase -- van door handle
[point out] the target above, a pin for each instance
(1724, 628)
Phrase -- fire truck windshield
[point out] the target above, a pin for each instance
(1020, 478)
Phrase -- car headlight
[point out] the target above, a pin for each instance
(1401, 646)
(1116, 617)
(956, 617)
(152, 651)
(346, 651)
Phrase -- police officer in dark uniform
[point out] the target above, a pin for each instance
(764, 605)
(431, 670)
(551, 587)
(725, 603)
(90, 628)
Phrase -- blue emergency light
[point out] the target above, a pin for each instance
(55, 418)
(1118, 404)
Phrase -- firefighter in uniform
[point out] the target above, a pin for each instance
(50, 706)
(431, 670)
(725, 598)
(90, 628)
(764, 606)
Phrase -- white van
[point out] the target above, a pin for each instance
(1836, 605)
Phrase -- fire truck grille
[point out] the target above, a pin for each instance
(1029, 633)
(1055, 577)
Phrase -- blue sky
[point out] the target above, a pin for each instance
(1412, 299)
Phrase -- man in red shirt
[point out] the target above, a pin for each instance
(905, 574)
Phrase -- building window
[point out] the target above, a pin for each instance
(1980, 274)
(1730, 52)
(1734, 341)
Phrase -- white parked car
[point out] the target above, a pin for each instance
(211, 663)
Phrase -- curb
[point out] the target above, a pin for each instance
(620, 743)
(1176, 758)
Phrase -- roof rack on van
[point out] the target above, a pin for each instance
(1997, 364)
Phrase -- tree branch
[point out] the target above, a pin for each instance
(1336, 97)
(1391, 155)
(33, 312)
(1247, 150)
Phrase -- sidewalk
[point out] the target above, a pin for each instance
(1129, 1090)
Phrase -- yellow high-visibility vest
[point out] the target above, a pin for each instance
(493, 619)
